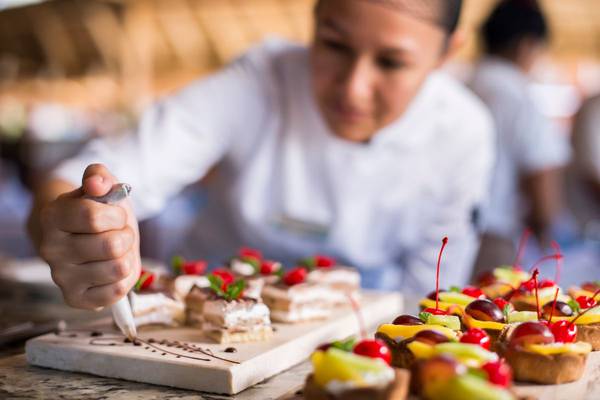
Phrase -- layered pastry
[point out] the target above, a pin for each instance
(343, 280)
(294, 299)
(226, 315)
(355, 371)
(545, 353)
(153, 302)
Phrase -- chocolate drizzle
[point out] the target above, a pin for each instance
(230, 350)
(152, 344)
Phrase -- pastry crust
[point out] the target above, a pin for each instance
(545, 369)
(402, 357)
(395, 390)
(225, 337)
(589, 333)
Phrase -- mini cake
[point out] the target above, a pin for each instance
(226, 315)
(249, 265)
(545, 353)
(584, 312)
(355, 371)
(152, 303)
(293, 299)
(342, 280)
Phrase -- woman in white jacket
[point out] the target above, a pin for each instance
(353, 147)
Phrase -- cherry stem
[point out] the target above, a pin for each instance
(556, 247)
(544, 259)
(437, 274)
(537, 297)
(553, 305)
(521, 248)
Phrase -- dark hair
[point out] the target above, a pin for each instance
(512, 21)
(444, 13)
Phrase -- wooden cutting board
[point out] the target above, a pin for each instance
(184, 358)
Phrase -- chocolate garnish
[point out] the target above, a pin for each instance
(96, 334)
(230, 350)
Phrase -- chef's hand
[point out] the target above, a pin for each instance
(92, 248)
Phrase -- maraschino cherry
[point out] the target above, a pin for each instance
(499, 372)
(472, 291)
(268, 267)
(476, 336)
(373, 348)
(585, 302)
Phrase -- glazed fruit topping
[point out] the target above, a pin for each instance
(431, 337)
(249, 253)
(295, 276)
(561, 309)
(485, 310)
(373, 349)
(531, 333)
(407, 320)
(476, 336)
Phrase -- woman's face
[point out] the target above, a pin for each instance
(368, 62)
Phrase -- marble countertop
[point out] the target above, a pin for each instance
(18, 380)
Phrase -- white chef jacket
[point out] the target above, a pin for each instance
(527, 142)
(287, 185)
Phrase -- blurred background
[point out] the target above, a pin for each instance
(72, 70)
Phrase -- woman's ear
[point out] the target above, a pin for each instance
(453, 44)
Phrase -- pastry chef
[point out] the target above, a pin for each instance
(355, 147)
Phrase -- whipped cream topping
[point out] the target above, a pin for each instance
(145, 302)
(335, 276)
(301, 314)
(243, 268)
(183, 284)
(301, 293)
(237, 313)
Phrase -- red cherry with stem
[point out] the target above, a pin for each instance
(226, 276)
(476, 336)
(437, 274)
(324, 261)
(194, 267)
(585, 302)
(373, 349)
(473, 292)
(295, 276)
(521, 248)
(435, 311)
(564, 331)
(544, 259)
(269, 267)
(250, 253)
(499, 373)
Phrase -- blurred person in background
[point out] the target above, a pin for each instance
(526, 185)
(584, 174)
(354, 147)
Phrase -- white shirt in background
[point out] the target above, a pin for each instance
(287, 185)
(585, 167)
(526, 142)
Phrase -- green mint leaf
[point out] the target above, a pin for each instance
(424, 316)
(177, 264)
(345, 345)
(216, 284)
(574, 305)
(455, 289)
(234, 291)
(308, 262)
(507, 309)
